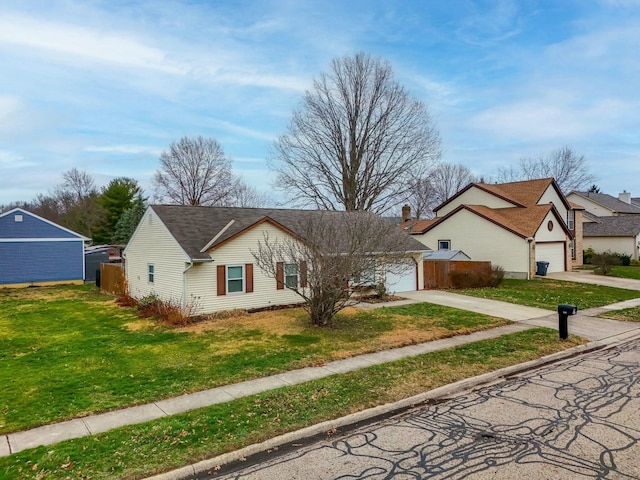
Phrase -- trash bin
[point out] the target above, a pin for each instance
(541, 268)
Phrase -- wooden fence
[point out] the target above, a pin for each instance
(437, 273)
(112, 278)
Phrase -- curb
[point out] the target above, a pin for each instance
(390, 409)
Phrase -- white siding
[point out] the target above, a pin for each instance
(556, 235)
(551, 196)
(628, 245)
(153, 244)
(474, 196)
(202, 279)
(590, 206)
(482, 240)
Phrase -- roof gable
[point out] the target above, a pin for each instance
(21, 224)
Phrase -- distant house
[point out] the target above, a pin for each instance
(513, 225)
(610, 223)
(203, 256)
(36, 251)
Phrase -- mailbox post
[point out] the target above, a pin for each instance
(564, 310)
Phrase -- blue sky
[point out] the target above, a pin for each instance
(105, 86)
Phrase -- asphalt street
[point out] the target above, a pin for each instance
(574, 419)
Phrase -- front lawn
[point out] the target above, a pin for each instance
(138, 451)
(70, 351)
(626, 272)
(548, 293)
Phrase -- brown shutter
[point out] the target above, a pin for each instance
(248, 271)
(303, 274)
(280, 275)
(222, 279)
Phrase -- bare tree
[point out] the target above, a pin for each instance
(444, 181)
(356, 141)
(246, 196)
(194, 171)
(336, 254)
(79, 183)
(570, 171)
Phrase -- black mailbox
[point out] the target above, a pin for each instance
(564, 310)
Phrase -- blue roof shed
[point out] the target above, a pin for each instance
(34, 250)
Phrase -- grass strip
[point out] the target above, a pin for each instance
(142, 450)
(626, 315)
(549, 293)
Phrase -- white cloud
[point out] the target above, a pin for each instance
(123, 149)
(96, 45)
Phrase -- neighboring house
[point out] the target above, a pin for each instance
(610, 223)
(512, 225)
(98, 254)
(619, 234)
(36, 251)
(202, 257)
(604, 205)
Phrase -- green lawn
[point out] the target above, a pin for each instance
(141, 450)
(548, 293)
(626, 272)
(70, 351)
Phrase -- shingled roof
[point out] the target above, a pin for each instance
(620, 226)
(526, 193)
(200, 229)
(612, 203)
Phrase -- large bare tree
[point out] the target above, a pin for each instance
(569, 169)
(356, 141)
(335, 255)
(194, 171)
(444, 181)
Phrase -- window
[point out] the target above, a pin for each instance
(235, 278)
(572, 245)
(444, 244)
(291, 273)
(150, 273)
(571, 215)
(366, 277)
(18, 218)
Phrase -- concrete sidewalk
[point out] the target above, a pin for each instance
(526, 318)
(587, 276)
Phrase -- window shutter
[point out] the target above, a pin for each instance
(248, 272)
(280, 275)
(303, 274)
(222, 279)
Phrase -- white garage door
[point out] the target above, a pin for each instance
(552, 253)
(402, 279)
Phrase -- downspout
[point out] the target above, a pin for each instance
(184, 284)
(529, 240)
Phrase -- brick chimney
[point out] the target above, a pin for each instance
(406, 213)
(625, 197)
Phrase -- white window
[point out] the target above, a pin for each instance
(18, 218)
(571, 219)
(151, 273)
(444, 244)
(235, 278)
(291, 275)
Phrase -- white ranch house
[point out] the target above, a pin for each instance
(202, 257)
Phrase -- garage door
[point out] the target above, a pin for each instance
(552, 253)
(402, 279)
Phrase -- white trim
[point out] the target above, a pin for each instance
(151, 273)
(46, 221)
(217, 236)
(244, 279)
(33, 240)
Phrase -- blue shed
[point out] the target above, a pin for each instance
(34, 250)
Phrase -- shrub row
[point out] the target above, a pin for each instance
(477, 278)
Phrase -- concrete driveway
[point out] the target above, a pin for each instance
(587, 276)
